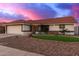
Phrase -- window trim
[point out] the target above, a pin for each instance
(26, 30)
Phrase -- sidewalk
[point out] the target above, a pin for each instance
(7, 51)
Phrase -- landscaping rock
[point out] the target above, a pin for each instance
(45, 47)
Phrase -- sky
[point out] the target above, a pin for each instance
(37, 11)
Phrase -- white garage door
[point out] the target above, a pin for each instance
(14, 29)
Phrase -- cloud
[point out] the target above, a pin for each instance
(40, 9)
(9, 14)
(36, 10)
(61, 11)
(50, 10)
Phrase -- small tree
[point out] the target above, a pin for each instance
(63, 31)
(62, 26)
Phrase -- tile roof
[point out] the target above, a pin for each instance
(47, 21)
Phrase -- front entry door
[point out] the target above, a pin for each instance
(34, 28)
(44, 28)
(40, 28)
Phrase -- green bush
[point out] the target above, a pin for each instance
(57, 38)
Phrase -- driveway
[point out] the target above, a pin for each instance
(6, 35)
(7, 51)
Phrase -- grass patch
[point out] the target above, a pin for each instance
(57, 38)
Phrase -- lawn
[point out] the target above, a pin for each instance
(57, 38)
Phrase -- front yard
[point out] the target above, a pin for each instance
(45, 46)
(57, 38)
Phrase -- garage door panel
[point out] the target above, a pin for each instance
(14, 30)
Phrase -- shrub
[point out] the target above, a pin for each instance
(57, 38)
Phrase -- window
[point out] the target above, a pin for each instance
(62, 26)
(26, 27)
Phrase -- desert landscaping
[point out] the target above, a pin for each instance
(40, 46)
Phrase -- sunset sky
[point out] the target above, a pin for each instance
(36, 11)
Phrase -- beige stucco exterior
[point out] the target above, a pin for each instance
(54, 27)
(17, 30)
(69, 27)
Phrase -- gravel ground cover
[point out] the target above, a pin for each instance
(45, 47)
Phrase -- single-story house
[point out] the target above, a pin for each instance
(2, 28)
(50, 26)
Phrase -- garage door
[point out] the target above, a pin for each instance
(14, 29)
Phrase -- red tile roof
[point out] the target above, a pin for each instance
(19, 21)
(47, 21)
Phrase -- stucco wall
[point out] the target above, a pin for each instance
(27, 33)
(54, 28)
(17, 30)
(69, 27)
(69, 33)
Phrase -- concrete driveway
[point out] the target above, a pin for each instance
(6, 35)
(7, 51)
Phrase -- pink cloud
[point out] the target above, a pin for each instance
(5, 20)
(16, 9)
(27, 13)
(75, 9)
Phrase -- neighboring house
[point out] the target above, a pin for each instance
(2, 28)
(64, 25)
